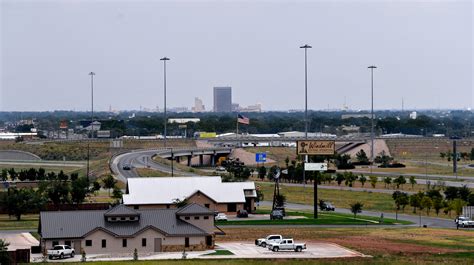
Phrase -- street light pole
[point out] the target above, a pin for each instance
(372, 67)
(306, 47)
(164, 59)
(92, 121)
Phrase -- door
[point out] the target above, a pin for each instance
(77, 246)
(157, 244)
(209, 241)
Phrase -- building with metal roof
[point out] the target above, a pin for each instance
(210, 192)
(122, 229)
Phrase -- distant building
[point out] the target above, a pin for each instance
(413, 115)
(222, 99)
(236, 107)
(355, 116)
(198, 106)
(178, 109)
(252, 108)
(183, 120)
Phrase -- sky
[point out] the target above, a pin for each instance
(423, 51)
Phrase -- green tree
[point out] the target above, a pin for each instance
(260, 196)
(109, 182)
(412, 181)
(339, 178)
(95, 186)
(262, 172)
(387, 181)
(457, 205)
(373, 181)
(349, 178)
(4, 245)
(415, 201)
(4, 257)
(21, 201)
(426, 203)
(4, 175)
(180, 203)
(362, 180)
(401, 200)
(57, 191)
(438, 204)
(117, 193)
(471, 154)
(80, 188)
(356, 208)
(362, 156)
(399, 181)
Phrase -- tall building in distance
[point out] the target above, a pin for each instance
(223, 99)
(198, 106)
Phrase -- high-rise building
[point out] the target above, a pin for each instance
(198, 106)
(223, 99)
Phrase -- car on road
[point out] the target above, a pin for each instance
(126, 167)
(242, 214)
(276, 215)
(220, 169)
(327, 206)
(60, 251)
(263, 242)
(464, 221)
(286, 244)
(220, 217)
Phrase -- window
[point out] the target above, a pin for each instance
(113, 218)
(124, 242)
(104, 243)
(143, 242)
(136, 207)
(187, 218)
(206, 217)
(167, 206)
(88, 243)
(207, 205)
(196, 217)
(132, 218)
(67, 247)
(186, 242)
(231, 207)
(122, 218)
(55, 243)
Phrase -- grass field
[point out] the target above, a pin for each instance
(29, 221)
(323, 219)
(372, 201)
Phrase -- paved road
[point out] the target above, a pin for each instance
(428, 221)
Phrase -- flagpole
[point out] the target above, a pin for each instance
(237, 125)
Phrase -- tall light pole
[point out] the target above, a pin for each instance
(164, 59)
(92, 121)
(372, 67)
(306, 47)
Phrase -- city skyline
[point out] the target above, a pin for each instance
(423, 52)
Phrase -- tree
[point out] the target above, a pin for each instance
(109, 182)
(180, 203)
(427, 203)
(260, 196)
(117, 193)
(471, 154)
(4, 175)
(383, 159)
(362, 180)
(13, 174)
(399, 181)
(4, 257)
(95, 186)
(464, 192)
(470, 199)
(438, 204)
(362, 157)
(20, 201)
(349, 178)
(3, 245)
(80, 188)
(457, 205)
(262, 172)
(412, 181)
(451, 193)
(339, 178)
(387, 181)
(373, 181)
(280, 200)
(415, 201)
(401, 199)
(356, 208)
(57, 191)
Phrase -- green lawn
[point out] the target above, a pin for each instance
(220, 252)
(326, 218)
(27, 222)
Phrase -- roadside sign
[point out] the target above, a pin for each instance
(284, 171)
(326, 147)
(261, 157)
(315, 166)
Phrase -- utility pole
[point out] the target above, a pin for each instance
(92, 121)
(164, 59)
(372, 67)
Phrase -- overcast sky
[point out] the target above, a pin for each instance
(423, 50)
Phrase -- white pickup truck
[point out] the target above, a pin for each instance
(287, 244)
(263, 242)
(60, 251)
(463, 221)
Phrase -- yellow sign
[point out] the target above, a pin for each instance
(315, 147)
(207, 135)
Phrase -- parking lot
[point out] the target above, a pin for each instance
(314, 250)
(18, 240)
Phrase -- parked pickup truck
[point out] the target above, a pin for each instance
(263, 242)
(286, 244)
(60, 251)
(463, 221)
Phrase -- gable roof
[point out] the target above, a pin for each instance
(121, 210)
(164, 190)
(77, 224)
(194, 209)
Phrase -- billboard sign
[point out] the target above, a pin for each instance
(315, 166)
(261, 157)
(316, 147)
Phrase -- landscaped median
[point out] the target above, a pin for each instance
(326, 218)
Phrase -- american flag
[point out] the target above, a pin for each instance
(242, 119)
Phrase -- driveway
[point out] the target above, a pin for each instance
(247, 250)
(19, 240)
